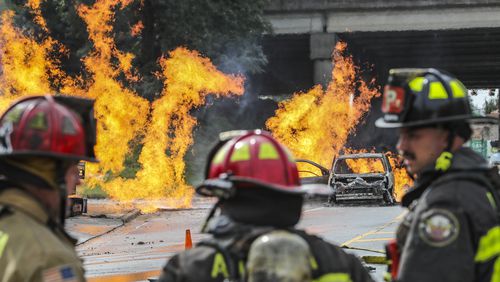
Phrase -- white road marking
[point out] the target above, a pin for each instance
(315, 209)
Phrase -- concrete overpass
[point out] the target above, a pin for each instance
(461, 36)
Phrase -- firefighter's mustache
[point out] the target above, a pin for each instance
(409, 156)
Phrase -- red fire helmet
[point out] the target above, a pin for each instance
(59, 127)
(253, 157)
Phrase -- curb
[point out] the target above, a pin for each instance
(130, 215)
(124, 219)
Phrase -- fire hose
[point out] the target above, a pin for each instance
(370, 259)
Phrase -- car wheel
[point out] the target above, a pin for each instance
(332, 200)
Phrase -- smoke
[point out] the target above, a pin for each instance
(219, 115)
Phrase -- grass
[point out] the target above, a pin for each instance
(91, 192)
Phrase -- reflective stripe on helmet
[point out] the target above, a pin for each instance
(417, 84)
(39, 121)
(458, 89)
(241, 152)
(268, 152)
(437, 91)
(220, 156)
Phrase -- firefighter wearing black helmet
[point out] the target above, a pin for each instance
(257, 183)
(42, 138)
(451, 231)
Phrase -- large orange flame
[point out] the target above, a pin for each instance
(35, 6)
(123, 116)
(189, 79)
(26, 65)
(401, 179)
(315, 125)
(121, 113)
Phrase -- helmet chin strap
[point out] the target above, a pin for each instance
(63, 194)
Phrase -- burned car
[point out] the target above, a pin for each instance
(362, 177)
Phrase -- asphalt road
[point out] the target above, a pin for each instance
(138, 249)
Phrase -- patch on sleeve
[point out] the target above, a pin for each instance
(438, 227)
(62, 273)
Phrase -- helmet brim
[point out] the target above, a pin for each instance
(381, 123)
(48, 155)
(225, 187)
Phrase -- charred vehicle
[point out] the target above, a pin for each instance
(363, 177)
(77, 204)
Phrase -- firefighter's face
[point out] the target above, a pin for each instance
(421, 147)
(72, 179)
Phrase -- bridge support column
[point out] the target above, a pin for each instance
(321, 48)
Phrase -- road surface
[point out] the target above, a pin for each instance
(138, 249)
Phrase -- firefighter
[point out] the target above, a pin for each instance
(451, 231)
(42, 138)
(256, 182)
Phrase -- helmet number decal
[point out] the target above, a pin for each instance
(393, 100)
(5, 141)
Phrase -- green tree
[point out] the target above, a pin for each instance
(490, 105)
(226, 31)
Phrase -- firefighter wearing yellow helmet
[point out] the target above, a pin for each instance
(42, 138)
(451, 231)
(257, 183)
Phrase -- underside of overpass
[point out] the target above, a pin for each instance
(460, 36)
(473, 55)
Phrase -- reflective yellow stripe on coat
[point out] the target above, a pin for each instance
(489, 248)
(334, 277)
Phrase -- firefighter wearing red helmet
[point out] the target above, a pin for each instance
(42, 138)
(451, 232)
(257, 183)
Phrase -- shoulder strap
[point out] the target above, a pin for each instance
(228, 259)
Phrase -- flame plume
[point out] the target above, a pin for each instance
(26, 65)
(402, 182)
(35, 6)
(401, 179)
(315, 125)
(189, 79)
(120, 112)
(122, 115)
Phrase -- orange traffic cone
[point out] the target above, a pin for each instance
(188, 244)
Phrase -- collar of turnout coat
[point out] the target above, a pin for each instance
(25, 203)
(464, 159)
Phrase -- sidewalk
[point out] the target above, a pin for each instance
(103, 217)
